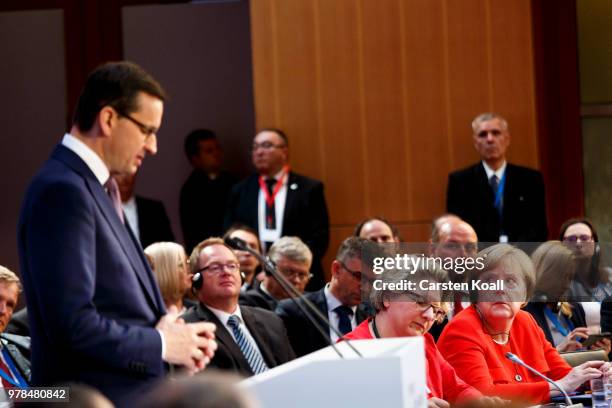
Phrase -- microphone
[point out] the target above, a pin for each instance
(310, 311)
(520, 362)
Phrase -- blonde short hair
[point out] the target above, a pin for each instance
(8, 276)
(164, 258)
(291, 248)
(194, 258)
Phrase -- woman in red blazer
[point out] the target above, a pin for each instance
(412, 313)
(476, 341)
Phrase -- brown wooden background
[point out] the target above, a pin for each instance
(377, 96)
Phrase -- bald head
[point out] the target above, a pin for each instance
(454, 237)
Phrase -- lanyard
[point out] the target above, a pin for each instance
(499, 194)
(275, 190)
(555, 321)
(21, 383)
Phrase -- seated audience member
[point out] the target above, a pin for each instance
(14, 349)
(204, 195)
(171, 268)
(476, 341)
(213, 390)
(147, 218)
(250, 340)
(405, 313)
(293, 260)
(249, 265)
(453, 238)
(377, 230)
(339, 301)
(591, 283)
(563, 322)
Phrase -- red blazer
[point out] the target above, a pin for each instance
(441, 378)
(482, 362)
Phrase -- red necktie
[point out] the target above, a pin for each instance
(7, 371)
(115, 196)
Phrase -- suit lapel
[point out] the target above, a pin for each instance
(224, 337)
(318, 299)
(120, 231)
(484, 186)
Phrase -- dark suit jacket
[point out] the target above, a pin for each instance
(153, 222)
(470, 196)
(258, 298)
(536, 309)
(92, 300)
(303, 335)
(18, 348)
(606, 315)
(305, 215)
(265, 327)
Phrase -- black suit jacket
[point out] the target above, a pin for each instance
(305, 215)
(153, 221)
(265, 327)
(470, 196)
(258, 298)
(303, 335)
(536, 309)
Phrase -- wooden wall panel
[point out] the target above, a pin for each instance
(378, 96)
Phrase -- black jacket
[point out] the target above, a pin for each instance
(153, 222)
(470, 196)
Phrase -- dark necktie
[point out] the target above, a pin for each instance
(113, 192)
(251, 354)
(270, 209)
(494, 182)
(345, 314)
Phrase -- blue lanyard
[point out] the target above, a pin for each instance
(555, 321)
(21, 383)
(499, 194)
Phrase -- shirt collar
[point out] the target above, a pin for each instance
(332, 301)
(223, 316)
(499, 172)
(91, 158)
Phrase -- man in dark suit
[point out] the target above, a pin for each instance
(339, 301)
(293, 260)
(502, 201)
(277, 202)
(204, 195)
(251, 340)
(14, 350)
(146, 217)
(95, 311)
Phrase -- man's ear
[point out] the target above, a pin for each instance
(106, 120)
(335, 268)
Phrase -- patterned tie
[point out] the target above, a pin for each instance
(344, 315)
(252, 355)
(115, 196)
(270, 209)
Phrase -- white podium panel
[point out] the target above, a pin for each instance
(391, 374)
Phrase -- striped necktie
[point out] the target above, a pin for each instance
(251, 354)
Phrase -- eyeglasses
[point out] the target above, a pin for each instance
(216, 268)
(356, 274)
(578, 238)
(294, 273)
(423, 306)
(148, 131)
(266, 146)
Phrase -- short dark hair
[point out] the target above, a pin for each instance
(278, 132)
(573, 221)
(242, 227)
(359, 227)
(194, 138)
(115, 84)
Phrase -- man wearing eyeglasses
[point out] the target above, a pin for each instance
(278, 202)
(95, 311)
(293, 260)
(502, 201)
(339, 301)
(251, 340)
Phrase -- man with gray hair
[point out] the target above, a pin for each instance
(14, 366)
(293, 260)
(339, 301)
(502, 201)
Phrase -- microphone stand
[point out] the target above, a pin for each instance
(294, 295)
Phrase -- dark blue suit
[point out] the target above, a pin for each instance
(91, 297)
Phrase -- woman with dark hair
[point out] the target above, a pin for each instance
(477, 341)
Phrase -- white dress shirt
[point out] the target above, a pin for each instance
(267, 235)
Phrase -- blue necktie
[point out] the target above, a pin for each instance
(251, 354)
(494, 181)
(344, 315)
